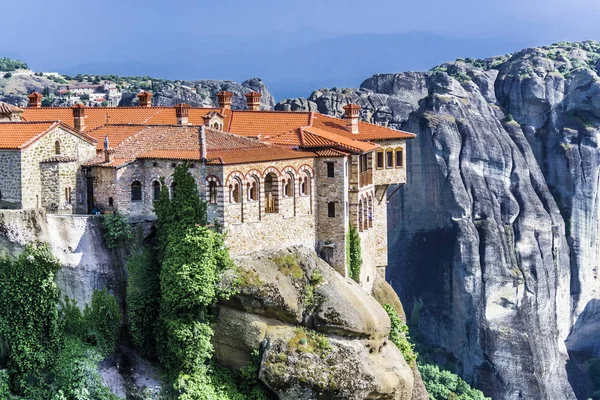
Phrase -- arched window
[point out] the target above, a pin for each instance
(271, 193)
(253, 190)
(370, 212)
(360, 216)
(173, 186)
(136, 191)
(155, 190)
(57, 147)
(212, 192)
(287, 187)
(234, 192)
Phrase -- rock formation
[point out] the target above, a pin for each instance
(496, 230)
(320, 335)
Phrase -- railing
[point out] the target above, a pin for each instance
(270, 203)
(365, 178)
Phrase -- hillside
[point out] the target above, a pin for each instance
(113, 90)
(494, 238)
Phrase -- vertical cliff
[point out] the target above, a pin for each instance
(495, 232)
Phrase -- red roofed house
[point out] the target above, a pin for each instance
(271, 179)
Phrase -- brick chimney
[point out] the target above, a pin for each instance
(145, 99)
(225, 99)
(202, 139)
(35, 100)
(352, 111)
(78, 117)
(253, 101)
(181, 111)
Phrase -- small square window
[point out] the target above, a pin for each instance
(173, 165)
(154, 165)
(330, 170)
(331, 210)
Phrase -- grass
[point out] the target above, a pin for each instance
(289, 266)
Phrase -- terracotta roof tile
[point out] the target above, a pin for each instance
(366, 131)
(341, 141)
(6, 108)
(18, 135)
(255, 123)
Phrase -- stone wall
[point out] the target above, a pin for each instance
(331, 231)
(10, 179)
(70, 146)
(248, 224)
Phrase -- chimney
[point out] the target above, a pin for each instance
(78, 117)
(145, 99)
(203, 151)
(109, 155)
(35, 100)
(225, 99)
(181, 110)
(253, 100)
(352, 111)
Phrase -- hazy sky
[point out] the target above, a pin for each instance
(70, 34)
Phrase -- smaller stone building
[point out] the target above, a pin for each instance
(40, 164)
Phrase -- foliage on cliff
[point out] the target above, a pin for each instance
(353, 254)
(117, 230)
(44, 350)
(189, 262)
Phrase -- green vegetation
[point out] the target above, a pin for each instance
(289, 266)
(6, 64)
(440, 384)
(399, 336)
(593, 369)
(353, 254)
(7, 75)
(43, 350)
(189, 260)
(117, 231)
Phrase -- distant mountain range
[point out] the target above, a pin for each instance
(295, 67)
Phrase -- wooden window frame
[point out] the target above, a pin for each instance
(154, 194)
(213, 192)
(399, 151)
(387, 164)
(382, 154)
(331, 209)
(140, 187)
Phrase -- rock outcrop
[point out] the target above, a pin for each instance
(319, 334)
(495, 235)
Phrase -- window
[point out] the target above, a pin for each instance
(304, 186)
(111, 202)
(389, 158)
(155, 190)
(67, 195)
(192, 165)
(136, 191)
(253, 190)
(173, 186)
(331, 209)
(399, 158)
(212, 192)
(173, 165)
(234, 193)
(154, 165)
(287, 187)
(380, 160)
(57, 147)
(330, 170)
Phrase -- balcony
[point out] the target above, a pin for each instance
(365, 178)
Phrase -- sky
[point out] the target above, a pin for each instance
(188, 39)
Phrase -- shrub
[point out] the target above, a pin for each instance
(7, 75)
(76, 373)
(399, 335)
(30, 324)
(117, 230)
(442, 384)
(103, 321)
(354, 254)
(143, 299)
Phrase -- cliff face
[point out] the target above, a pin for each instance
(495, 232)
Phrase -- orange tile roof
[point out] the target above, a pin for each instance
(116, 134)
(265, 123)
(339, 140)
(19, 135)
(366, 131)
(6, 108)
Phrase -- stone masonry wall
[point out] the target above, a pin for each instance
(10, 179)
(249, 226)
(387, 176)
(70, 146)
(331, 231)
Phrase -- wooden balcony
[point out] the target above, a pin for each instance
(365, 178)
